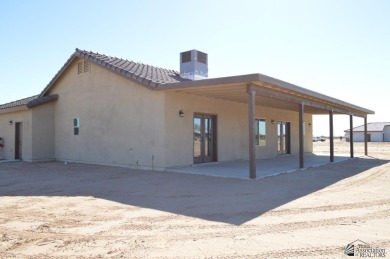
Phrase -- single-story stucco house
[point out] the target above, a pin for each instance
(376, 132)
(107, 110)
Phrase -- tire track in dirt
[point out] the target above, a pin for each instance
(358, 180)
(19, 242)
(271, 213)
(220, 231)
(217, 231)
(337, 251)
(214, 231)
(328, 208)
(311, 252)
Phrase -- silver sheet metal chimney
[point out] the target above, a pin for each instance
(194, 65)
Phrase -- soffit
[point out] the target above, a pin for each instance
(237, 92)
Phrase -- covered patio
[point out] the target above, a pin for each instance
(259, 90)
(265, 166)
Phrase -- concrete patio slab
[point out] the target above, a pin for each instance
(264, 167)
(8, 160)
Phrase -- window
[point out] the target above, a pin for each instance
(260, 132)
(76, 126)
(82, 67)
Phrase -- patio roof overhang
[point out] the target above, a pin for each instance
(260, 90)
(269, 91)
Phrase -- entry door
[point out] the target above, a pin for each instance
(205, 148)
(18, 140)
(283, 129)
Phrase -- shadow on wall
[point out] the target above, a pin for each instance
(225, 200)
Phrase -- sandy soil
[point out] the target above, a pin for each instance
(52, 210)
(377, 150)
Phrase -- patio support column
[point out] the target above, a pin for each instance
(365, 137)
(251, 126)
(301, 135)
(331, 138)
(351, 135)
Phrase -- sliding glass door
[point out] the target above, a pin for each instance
(283, 129)
(205, 148)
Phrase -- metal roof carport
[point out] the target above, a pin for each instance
(256, 89)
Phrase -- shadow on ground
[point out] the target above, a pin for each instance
(232, 201)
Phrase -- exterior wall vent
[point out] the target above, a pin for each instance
(193, 65)
(82, 67)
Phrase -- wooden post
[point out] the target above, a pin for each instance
(351, 135)
(301, 136)
(331, 137)
(365, 137)
(252, 137)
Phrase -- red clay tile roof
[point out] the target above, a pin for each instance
(138, 71)
(146, 75)
(18, 103)
(41, 100)
(372, 126)
(29, 102)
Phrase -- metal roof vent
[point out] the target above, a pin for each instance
(194, 65)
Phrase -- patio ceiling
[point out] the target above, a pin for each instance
(269, 92)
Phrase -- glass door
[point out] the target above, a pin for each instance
(204, 138)
(18, 140)
(283, 130)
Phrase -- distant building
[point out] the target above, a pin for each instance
(376, 132)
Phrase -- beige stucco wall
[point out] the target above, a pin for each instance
(232, 129)
(124, 123)
(43, 132)
(121, 122)
(7, 132)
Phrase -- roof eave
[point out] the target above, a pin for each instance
(42, 100)
(14, 109)
(260, 78)
(240, 79)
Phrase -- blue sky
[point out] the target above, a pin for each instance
(339, 48)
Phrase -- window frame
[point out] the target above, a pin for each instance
(261, 142)
(76, 126)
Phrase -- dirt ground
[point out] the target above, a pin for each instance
(53, 210)
(377, 150)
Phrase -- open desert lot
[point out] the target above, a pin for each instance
(57, 210)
